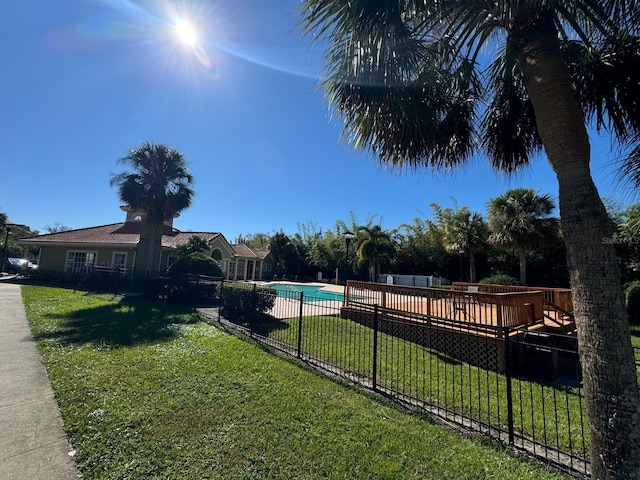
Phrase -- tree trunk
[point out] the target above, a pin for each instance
(522, 259)
(150, 245)
(612, 399)
(472, 267)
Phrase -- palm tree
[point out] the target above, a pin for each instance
(407, 78)
(464, 232)
(374, 244)
(516, 220)
(159, 185)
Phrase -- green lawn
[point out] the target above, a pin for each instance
(551, 414)
(149, 391)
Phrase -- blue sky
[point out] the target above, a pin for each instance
(84, 81)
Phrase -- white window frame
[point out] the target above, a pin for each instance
(171, 259)
(119, 265)
(80, 265)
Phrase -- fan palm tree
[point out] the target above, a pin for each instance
(160, 185)
(516, 221)
(407, 77)
(374, 244)
(464, 232)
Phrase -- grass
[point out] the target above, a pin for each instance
(150, 391)
(551, 414)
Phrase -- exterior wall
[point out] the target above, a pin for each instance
(54, 258)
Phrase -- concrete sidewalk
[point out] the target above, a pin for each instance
(33, 444)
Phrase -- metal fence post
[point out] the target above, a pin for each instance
(220, 300)
(507, 372)
(300, 325)
(375, 347)
(254, 310)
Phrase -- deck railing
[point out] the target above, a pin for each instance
(560, 297)
(500, 309)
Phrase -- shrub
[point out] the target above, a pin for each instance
(499, 279)
(195, 263)
(632, 297)
(247, 304)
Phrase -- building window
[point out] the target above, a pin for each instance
(216, 255)
(266, 267)
(171, 260)
(80, 262)
(118, 260)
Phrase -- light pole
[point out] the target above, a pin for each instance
(461, 252)
(4, 250)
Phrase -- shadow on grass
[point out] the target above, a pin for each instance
(122, 323)
(260, 324)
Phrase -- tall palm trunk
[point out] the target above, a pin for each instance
(150, 245)
(522, 259)
(609, 374)
(472, 267)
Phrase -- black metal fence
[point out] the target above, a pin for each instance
(518, 386)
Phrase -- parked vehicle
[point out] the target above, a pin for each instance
(18, 265)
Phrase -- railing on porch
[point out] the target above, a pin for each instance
(482, 308)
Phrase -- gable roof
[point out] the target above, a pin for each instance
(242, 250)
(115, 234)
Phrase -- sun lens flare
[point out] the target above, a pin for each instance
(186, 32)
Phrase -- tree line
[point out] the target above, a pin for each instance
(518, 239)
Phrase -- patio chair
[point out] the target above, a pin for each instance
(461, 303)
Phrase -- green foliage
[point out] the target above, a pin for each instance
(248, 304)
(499, 279)
(195, 263)
(194, 244)
(158, 181)
(61, 278)
(632, 298)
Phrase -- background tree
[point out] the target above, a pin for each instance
(373, 246)
(517, 220)
(419, 249)
(257, 241)
(160, 185)
(284, 253)
(464, 232)
(406, 78)
(195, 244)
(56, 227)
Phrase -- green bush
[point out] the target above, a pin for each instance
(195, 263)
(247, 304)
(499, 279)
(180, 290)
(62, 278)
(632, 297)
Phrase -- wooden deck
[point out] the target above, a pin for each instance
(490, 305)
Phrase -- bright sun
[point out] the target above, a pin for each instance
(186, 32)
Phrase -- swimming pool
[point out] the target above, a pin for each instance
(311, 292)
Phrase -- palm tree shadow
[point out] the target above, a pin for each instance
(122, 323)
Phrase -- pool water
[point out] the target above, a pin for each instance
(311, 292)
